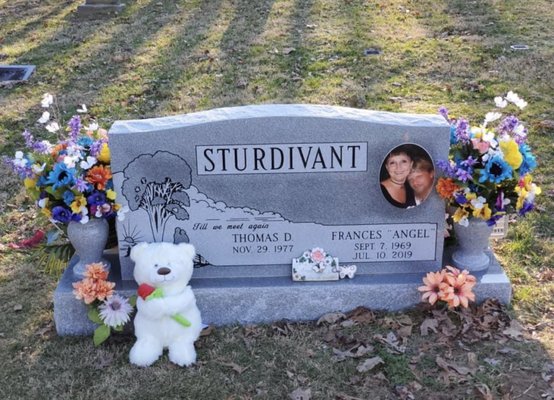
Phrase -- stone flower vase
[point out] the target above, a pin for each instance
(473, 240)
(89, 241)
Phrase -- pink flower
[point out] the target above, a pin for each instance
(317, 255)
(480, 145)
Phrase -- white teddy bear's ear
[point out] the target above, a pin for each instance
(187, 250)
(138, 250)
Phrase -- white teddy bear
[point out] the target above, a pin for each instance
(167, 315)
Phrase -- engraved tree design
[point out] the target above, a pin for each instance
(157, 184)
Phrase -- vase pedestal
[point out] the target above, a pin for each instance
(89, 241)
(472, 252)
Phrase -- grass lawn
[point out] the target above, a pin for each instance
(177, 56)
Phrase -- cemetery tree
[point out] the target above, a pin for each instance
(157, 183)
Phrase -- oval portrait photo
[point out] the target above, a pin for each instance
(407, 176)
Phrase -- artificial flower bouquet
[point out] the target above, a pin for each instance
(105, 308)
(69, 180)
(488, 174)
(449, 285)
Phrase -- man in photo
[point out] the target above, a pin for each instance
(421, 178)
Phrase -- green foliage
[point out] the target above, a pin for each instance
(101, 334)
(54, 257)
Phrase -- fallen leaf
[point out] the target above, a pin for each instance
(347, 324)
(288, 50)
(403, 392)
(508, 350)
(514, 331)
(391, 341)
(492, 362)
(361, 315)
(428, 324)
(237, 368)
(207, 330)
(18, 307)
(472, 360)
(484, 391)
(330, 318)
(441, 362)
(369, 364)
(343, 355)
(301, 394)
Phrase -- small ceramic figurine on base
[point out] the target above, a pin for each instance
(167, 315)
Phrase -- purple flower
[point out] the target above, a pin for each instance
(444, 112)
(96, 199)
(74, 125)
(61, 214)
(469, 162)
(507, 125)
(460, 198)
(499, 205)
(447, 168)
(463, 175)
(81, 185)
(463, 133)
(96, 147)
(38, 146)
(527, 206)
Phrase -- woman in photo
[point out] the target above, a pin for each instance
(394, 183)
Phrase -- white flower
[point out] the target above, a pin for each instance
(70, 161)
(47, 100)
(92, 127)
(42, 202)
(478, 203)
(83, 109)
(89, 163)
(464, 221)
(518, 101)
(19, 160)
(37, 168)
(121, 213)
(492, 116)
(52, 127)
(500, 102)
(115, 311)
(45, 117)
(84, 215)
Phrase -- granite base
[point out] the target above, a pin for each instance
(224, 301)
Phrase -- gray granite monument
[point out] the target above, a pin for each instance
(254, 187)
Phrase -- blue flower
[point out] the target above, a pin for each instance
(85, 141)
(61, 176)
(496, 170)
(527, 206)
(96, 199)
(61, 214)
(529, 161)
(68, 197)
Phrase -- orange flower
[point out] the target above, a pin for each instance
(85, 290)
(432, 290)
(96, 271)
(57, 148)
(104, 289)
(459, 291)
(99, 175)
(446, 187)
(455, 272)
